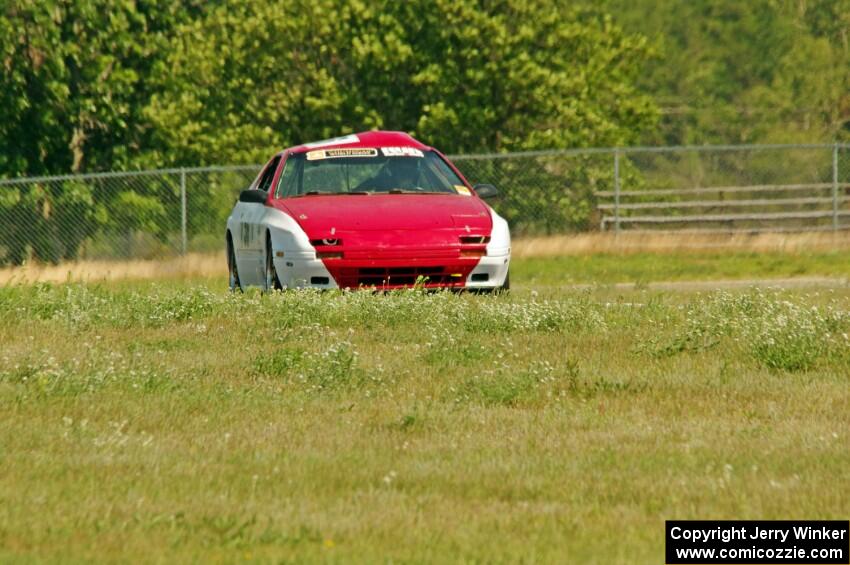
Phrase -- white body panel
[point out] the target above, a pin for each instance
(498, 258)
(248, 225)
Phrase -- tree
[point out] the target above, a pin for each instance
(249, 78)
(745, 72)
(72, 93)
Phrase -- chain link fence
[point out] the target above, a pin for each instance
(710, 189)
(162, 213)
(135, 215)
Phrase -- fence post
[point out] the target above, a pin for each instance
(616, 191)
(835, 187)
(184, 238)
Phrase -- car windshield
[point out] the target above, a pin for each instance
(397, 170)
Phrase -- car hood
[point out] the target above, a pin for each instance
(333, 215)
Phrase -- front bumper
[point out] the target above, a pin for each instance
(495, 267)
(301, 269)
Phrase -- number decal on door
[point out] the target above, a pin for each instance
(245, 229)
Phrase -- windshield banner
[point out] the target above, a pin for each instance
(335, 153)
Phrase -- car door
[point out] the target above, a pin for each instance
(251, 231)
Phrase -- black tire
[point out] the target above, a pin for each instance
(270, 280)
(232, 272)
(507, 284)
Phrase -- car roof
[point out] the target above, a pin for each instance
(364, 139)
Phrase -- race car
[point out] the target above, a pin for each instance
(376, 210)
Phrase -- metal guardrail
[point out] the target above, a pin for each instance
(718, 203)
(781, 213)
(730, 189)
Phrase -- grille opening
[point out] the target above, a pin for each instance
(480, 277)
(397, 276)
(474, 239)
(370, 271)
(319, 280)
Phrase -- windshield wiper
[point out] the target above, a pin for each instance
(329, 193)
(407, 191)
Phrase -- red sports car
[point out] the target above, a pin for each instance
(377, 210)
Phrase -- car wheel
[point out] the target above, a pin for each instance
(506, 286)
(270, 280)
(233, 272)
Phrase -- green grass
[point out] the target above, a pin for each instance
(177, 422)
(606, 268)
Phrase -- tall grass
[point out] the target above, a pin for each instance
(760, 326)
(178, 422)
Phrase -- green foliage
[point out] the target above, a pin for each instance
(91, 84)
(545, 194)
(77, 215)
(745, 72)
(134, 211)
(249, 78)
(47, 221)
(76, 80)
(94, 85)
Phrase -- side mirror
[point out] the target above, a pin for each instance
(253, 196)
(486, 191)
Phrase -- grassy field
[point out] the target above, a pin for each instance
(587, 258)
(172, 421)
(638, 268)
